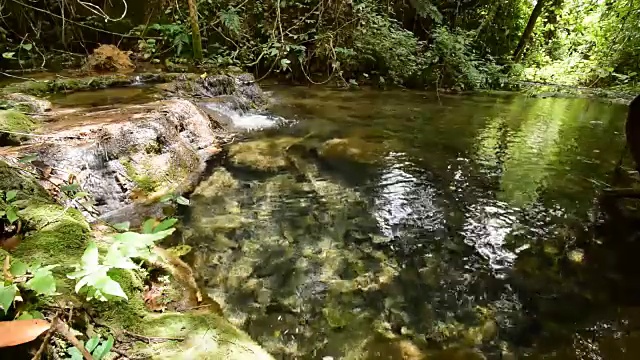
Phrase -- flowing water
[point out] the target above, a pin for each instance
(403, 225)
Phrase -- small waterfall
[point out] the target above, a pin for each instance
(245, 120)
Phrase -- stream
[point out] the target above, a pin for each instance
(407, 225)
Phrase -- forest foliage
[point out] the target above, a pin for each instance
(463, 44)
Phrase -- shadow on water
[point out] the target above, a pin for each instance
(393, 225)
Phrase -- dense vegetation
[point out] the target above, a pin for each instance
(468, 44)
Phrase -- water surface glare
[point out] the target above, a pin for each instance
(402, 225)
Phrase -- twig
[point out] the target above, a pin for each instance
(152, 338)
(47, 337)
(101, 13)
(63, 329)
(17, 77)
(198, 307)
(121, 352)
(86, 26)
(6, 267)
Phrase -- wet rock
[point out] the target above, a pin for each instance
(219, 183)
(219, 85)
(28, 103)
(351, 149)
(381, 348)
(458, 353)
(334, 317)
(122, 156)
(265, 155)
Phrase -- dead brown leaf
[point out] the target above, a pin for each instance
(18, 332)
(153, 297)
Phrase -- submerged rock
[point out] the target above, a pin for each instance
(266, 155)
(351, 149)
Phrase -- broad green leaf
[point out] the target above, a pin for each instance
(147, 226)
(12, 215)
(90, 257)
(36, 314)
(75, 353)
(18, 268)
(11, 194)
(183, 201)
(92, 278)
(81, 194)
(109, 286)
(42, 283)
(28, 158)
(2, 213)
(70, 188)
(116, 259)
(25, 316)
(166, 198)
(7, 294)
(123, 226)
(27, 47)
(8, 55)
(92, 343)
(165, 224)
(103, 349)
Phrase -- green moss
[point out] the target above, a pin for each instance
(124, 314)
(15, 121)
(153, 148)
(28, 188)
(206, 337)
(57, 236)
(143, 181)
(335, 318)
(90, 83)
(54, 235)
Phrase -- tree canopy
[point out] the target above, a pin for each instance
(465, 44)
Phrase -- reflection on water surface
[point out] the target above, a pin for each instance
(393, 225)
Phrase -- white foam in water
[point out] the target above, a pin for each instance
(248, 121)
(253, 121)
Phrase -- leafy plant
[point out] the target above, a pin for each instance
(174, 198)
(92, 274)
(8, 208)
(176, 34)
(97, 347)
(21, 277)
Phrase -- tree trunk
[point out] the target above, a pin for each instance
(195, 30)
(535, 14)
(487, 20)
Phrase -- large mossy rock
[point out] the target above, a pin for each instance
(14, 125)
